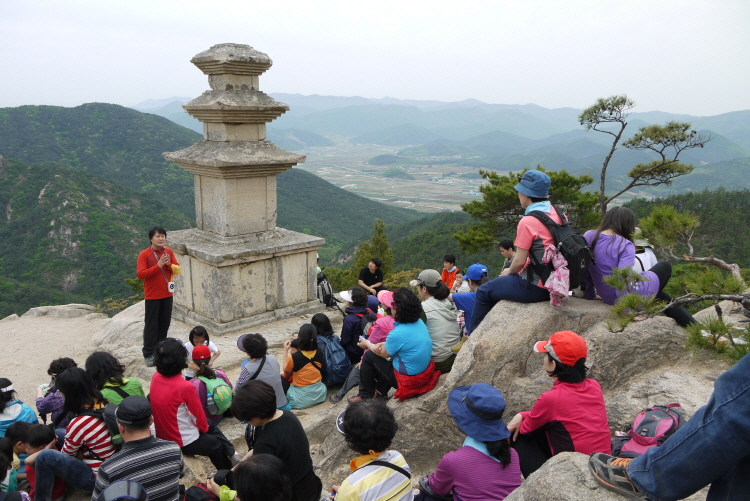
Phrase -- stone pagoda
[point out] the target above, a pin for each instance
(238, 268)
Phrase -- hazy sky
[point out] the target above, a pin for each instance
(680, 56)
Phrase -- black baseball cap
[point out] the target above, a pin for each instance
(133, 410)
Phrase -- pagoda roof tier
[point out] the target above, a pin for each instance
(233, 59)
(234, 159)
(235, 106)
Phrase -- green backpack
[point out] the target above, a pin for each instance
(219, 395)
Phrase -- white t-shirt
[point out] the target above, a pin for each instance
(189, 347)
(644, 259)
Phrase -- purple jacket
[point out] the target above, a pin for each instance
(614, 251)
(52, 403)
(351, 330)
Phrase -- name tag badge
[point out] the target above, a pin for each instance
(170, 286)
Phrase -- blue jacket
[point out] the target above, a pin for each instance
(350, 332)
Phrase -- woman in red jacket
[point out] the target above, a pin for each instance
(570, 417)
(177, 410)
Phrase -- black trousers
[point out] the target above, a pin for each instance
(158, 318)
(679, 314)
(533, 451)
(213, 444)
(376, 373)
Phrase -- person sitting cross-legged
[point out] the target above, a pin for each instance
(155, 464)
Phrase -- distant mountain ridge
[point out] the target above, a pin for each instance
(735, 125)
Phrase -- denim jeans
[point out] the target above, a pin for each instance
(509, 288)
(713, 447)
(51, 463)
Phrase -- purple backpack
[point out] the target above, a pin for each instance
(651, 428)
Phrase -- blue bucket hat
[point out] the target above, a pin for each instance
(534, 184)
(475, 272)
(478, 411)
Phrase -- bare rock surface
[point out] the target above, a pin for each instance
(61, 311)
(566, 477)
(646, 364)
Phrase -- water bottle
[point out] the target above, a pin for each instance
(211, 404)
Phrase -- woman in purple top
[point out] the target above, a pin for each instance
(612, 247)
(486, 467)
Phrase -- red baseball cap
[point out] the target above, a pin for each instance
(565, 346)
(201, 352)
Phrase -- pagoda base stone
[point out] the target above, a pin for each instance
(228, 284)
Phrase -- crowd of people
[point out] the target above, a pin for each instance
(96, 429)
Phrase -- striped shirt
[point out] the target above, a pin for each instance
(90, 435)
(378, 483)
(155, 464)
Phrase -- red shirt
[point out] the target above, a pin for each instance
(448, 277)
(148, 270)
(178, 413)
(573, 416)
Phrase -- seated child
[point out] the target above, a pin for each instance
(303, 369)
(201, 356)
(6, 472)
(16, 435)
(40, 437)
(198, 336)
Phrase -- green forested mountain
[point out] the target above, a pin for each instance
(114, 142)
(724, 229)
(69, 236)
(126, 146)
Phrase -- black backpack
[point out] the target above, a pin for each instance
(325, 293)
(366, 321)
(571, 244)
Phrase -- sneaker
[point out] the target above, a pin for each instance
(335, 398)
(612, 473)
(355, 398)
(149, 361)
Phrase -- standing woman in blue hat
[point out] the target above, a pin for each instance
(519, 282)
(486, 467)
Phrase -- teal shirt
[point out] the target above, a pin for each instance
(410, 347)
